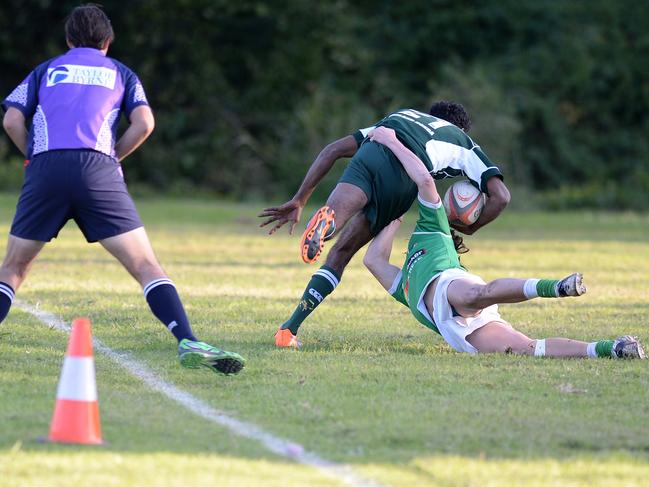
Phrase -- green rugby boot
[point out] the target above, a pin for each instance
(627, 347)
(193, 355)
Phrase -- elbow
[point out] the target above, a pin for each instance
(425, 182)
(499, 195)
(369, 261)
(10, 123)
(147, 126)
(501, 200)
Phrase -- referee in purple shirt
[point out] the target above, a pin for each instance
(63, 117)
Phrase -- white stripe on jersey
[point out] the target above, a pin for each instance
(444, 155)
(367, 130)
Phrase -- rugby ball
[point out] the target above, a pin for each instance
(463, 203)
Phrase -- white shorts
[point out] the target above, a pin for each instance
(455, 329)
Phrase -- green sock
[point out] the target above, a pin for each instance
(322, 283)
(603, 348)
(547, 288)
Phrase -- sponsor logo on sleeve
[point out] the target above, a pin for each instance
(82, 75)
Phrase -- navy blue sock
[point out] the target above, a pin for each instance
(6, 298)
(165, 303)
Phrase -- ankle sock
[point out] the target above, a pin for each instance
(603, 348)
(547, 288)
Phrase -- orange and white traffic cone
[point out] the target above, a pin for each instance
(76, 414)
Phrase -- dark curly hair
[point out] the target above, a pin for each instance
(88, 26)
(451, 112)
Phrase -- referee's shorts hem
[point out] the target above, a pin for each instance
(115, 233)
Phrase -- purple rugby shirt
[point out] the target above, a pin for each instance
(75, 101)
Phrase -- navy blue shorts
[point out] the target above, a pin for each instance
(83, 185)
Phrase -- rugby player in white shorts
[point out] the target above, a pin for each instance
(458, 305)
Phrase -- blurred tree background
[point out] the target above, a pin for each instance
(247, 92)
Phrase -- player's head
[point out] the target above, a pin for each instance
(451, 112)
(88, 26)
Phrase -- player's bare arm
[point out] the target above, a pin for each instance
(291, 211)
(495, 203)
(141, 125)
(14, 124)
(377, 257)
(414, 166)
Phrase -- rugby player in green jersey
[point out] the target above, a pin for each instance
(460, 306)
(374, 190)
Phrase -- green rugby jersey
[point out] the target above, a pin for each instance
(430, 251)
(444, 148)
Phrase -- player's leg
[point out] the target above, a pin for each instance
(468, 297)
(41, 211)
(133, 250)
(19, 258)
(344, 201)
(497, 336)
(105, 212)
(355, 234)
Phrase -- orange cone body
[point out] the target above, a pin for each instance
(76, 414)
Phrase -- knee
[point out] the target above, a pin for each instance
(528, 347)
(474, 296)
(369, 261)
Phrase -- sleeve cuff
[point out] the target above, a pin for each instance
(127, 114)
(12, 104)
(395, 284)
(488, 174)
(428, 204)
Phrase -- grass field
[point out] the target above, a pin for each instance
(371, 388)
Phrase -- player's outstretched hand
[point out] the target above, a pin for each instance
(289, 212)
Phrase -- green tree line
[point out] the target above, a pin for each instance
(247, 92)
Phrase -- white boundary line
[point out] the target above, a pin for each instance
(275, 444)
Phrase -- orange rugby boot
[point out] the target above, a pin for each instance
(285, 338)
(317, 231)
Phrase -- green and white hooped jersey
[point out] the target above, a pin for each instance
(430, 251)
(444, 148)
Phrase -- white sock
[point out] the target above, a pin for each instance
(539, 348)
(529, 289)
(590, 350)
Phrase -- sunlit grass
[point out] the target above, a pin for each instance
(371, 387)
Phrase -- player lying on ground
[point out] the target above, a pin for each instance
(75, 101)
(374, 190)
(460, 306)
